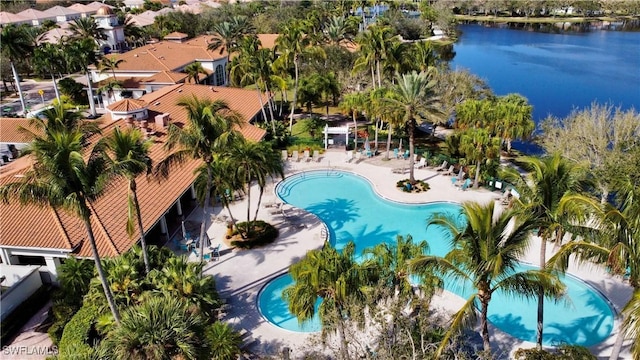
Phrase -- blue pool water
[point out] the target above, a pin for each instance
(352, 211)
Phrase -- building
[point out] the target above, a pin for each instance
(108, 21)
(154, 66)
(31, 235)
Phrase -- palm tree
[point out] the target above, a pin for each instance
(128, 156)
(227, 35)
(48, 58)
(413, 98)
(227, 341)
(479, 146)
(485, 253)
(15, 46)
(609, 236)
(160, 328)
(211, 127)
(193, 71)
(353, 103)
(338, 279)
(56, 119)
(63, 179)
(514, 118)
(339, 29)
(292, 43)
(374, 43)
(74, 276)
(223, 181)
(254, 161)
(424, 55)
(549, 181)
(110, 63)
(80, 54)
(86, 28)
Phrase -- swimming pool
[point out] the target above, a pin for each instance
(353, 211)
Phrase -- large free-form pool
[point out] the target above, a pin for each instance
(353, 211)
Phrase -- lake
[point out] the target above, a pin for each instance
(556, 72)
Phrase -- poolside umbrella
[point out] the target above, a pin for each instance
(366, 144)
(184, 230)
(400, 146)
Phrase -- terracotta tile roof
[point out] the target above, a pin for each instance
(97, 5)
(126, 105)
(166, 56)
(43, 227)
(268, 41)
(141, 21)
(176, 35)
(29, 226)
(34, 14)
(166, 77)
(241, 100)
(9, 132)
(11, 18)
(81, 8)
(54, 36)
(126, 82)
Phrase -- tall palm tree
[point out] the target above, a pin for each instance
(56, 119)
(550, 180)
(339, 29)
(63, 179)
(338, 279)
(227, 35)
(514, 119)
(413, 98)
(80, 54)
(374, 43)
(15, 46)
(479, 146)
(160, 328)
(485, 254)
(48, 58)
(254, 161)
(86, 28)
(128, 156)
(609, 235)
(223, 181)
(193, 71)
(353, 103)
(293, 43)
(110, 64)
(210, 128)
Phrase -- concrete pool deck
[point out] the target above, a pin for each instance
(240, 274)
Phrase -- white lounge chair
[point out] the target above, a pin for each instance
(449, 172)
(316, 155)
(349, 156)
(306, 156)
(422, 163)
(294, 156)
(442, 167)
(285, 155)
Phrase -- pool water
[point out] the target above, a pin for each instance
(352, 211)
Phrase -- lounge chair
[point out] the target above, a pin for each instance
(349, 156)
(316, 155)
(442, 167)
(305, 156)
(422, 163)
(215, 252)
(465, 185)
(406, 155)
(395, 153)
(294, 156)
(285, 155)
(358, 156)
(400, 170)
(449, 172)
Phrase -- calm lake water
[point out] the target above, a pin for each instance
(556, 72)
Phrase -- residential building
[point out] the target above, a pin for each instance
(32, 235)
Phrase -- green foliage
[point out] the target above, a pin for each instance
(314, 125)
(74, 90)
(262, 233)
(224, 341)
(79, 334)
(563, 352)
(417, 187)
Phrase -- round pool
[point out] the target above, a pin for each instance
(353, 211)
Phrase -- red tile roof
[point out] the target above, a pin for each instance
(127, 105)
(9, 130)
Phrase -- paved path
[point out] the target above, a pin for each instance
(241, 274)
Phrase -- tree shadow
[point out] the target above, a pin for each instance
(335, 212)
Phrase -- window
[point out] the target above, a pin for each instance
(219, 75)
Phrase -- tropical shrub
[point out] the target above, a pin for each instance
(262, 233)
(79, 334)
(226, 342)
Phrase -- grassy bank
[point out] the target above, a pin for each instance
(539, 20)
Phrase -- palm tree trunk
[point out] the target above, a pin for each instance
(476, 179)
(264, 113)
(295, 93)
(248, 200)
(205, 212)
(389, 141)
(373, 76)
(543, 261)
(378, 71)
(101, 275)
(344, 346)
(484, 327)
(617, 346)
(255, 216)
(143, 243)
(269, 99)
(18, 87)
(55, 87)
(411, 128)
(92, 106)
(355, 127)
